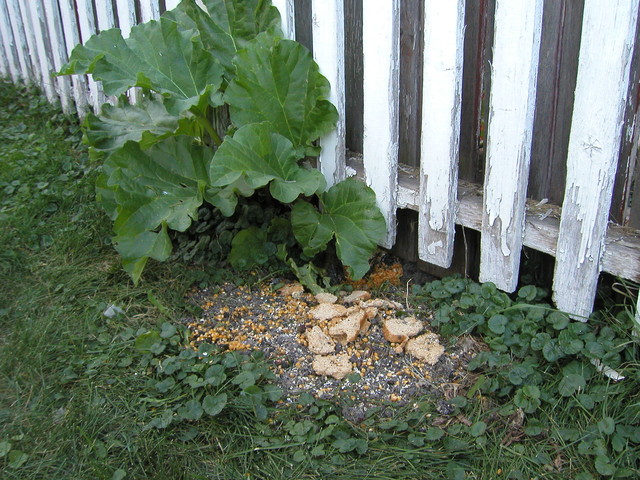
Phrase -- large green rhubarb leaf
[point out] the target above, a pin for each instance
(158, 55)
(350, 215)
(145, 122)
(277, 81)
(228, 26)
(148, 191)
(263, 157)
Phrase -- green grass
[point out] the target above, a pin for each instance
(75, 401)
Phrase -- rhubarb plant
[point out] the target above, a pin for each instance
(225, 106)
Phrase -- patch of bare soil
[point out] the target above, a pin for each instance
(334, 347)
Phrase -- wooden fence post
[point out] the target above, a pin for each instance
(20, 38)
(328, 51)
(9, 42)
(440, 136)
(149, 10)
(601, 88)
(58, 53)
(381, 99)
(516, 48)
(287, 17)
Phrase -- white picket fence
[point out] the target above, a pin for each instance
(38, 35)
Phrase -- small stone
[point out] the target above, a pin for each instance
(327, 311)
(357, 296)
(347, 330)
(294, 290)
(399, 330)
(318, 342)
(336, 366)
(425, 347)
(325, 297)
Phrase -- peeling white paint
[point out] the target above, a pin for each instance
(440, 136)
(596, 131)
(328, 52)
(516, 48)
(381, 77)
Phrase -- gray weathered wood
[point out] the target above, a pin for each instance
(601, 87)
(149, 10)
(328, 40)
(9, 43)
(621, 256)
(561, 27)
(511, 109)
(381, 69)
(72, 38)
(411, 50)
(22, 48)
(628, 171)
(87, 28)
(42, 49)
(440, 137)
(58, 53)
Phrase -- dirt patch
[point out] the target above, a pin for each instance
(280, 324)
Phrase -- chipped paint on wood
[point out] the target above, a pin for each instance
(328, 51)
(87, 29)
(440, 140)
(600, 96)
(514, 72)
(15, 19)
(149, 10)
(72, 38)
(9, 43)
(381, 77)
(58, 54)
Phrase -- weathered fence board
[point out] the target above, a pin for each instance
(441, 94)
(287, 17)
(22, 48)
(149, 10)
(9, 44)
(328, 51)
(87, 28)
(601, 86)
(42, 49)
(59, 55)
(511, 109)
(381, 72)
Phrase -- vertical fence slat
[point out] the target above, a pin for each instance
(381, 78)
(10, 49)
(601, 87)
(34, 57)
(104, 16)
(126, 16)
(71, 39)
(15, 18)
(58, 53)
(42, 49)
(87, 29)
(328, 51)
(516, 49)
(287, 17)
(441, 107)
(5, 69)
(149, 10)
(171, 4)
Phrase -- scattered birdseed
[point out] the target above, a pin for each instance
(258, 318)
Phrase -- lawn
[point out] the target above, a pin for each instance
(98, 381)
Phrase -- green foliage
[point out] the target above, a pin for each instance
(184, 384)
(227, 107)
(540, 360)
